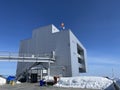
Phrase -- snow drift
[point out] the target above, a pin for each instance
(2, 81)
(88, 82)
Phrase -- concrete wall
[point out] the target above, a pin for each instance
(47, 39)
(74, 56)
(62, 48)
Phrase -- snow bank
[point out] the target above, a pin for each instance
(84, 82)
(18, 82)
(48, 78)
(2, 81)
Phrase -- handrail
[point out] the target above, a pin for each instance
(27, 57)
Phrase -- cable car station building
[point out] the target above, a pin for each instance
(69, 54)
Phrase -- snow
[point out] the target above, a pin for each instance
(89, 82)
(18, 82)
(48, 78)
(2, 81)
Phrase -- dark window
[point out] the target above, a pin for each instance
(79, 60)
(80, 69)
(79, 50)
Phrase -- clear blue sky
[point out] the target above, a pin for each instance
(96, 23)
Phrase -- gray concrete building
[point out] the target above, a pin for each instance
(70, 54)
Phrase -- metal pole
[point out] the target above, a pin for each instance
(41, 71)
(48, 69)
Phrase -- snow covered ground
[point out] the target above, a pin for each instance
(88, 82)
(2, 81)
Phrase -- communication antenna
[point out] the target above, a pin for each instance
(112, 73)
(62, 26)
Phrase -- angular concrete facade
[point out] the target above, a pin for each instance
(70, 54)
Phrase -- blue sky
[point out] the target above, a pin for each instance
(96, 23)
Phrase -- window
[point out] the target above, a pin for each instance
(79, 50)
(80, 69)
(79, 60)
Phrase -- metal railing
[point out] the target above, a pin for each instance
(27, 57)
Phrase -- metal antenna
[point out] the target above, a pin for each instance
(112, 73)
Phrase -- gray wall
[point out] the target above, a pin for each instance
(74, 57)
(47, 39)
